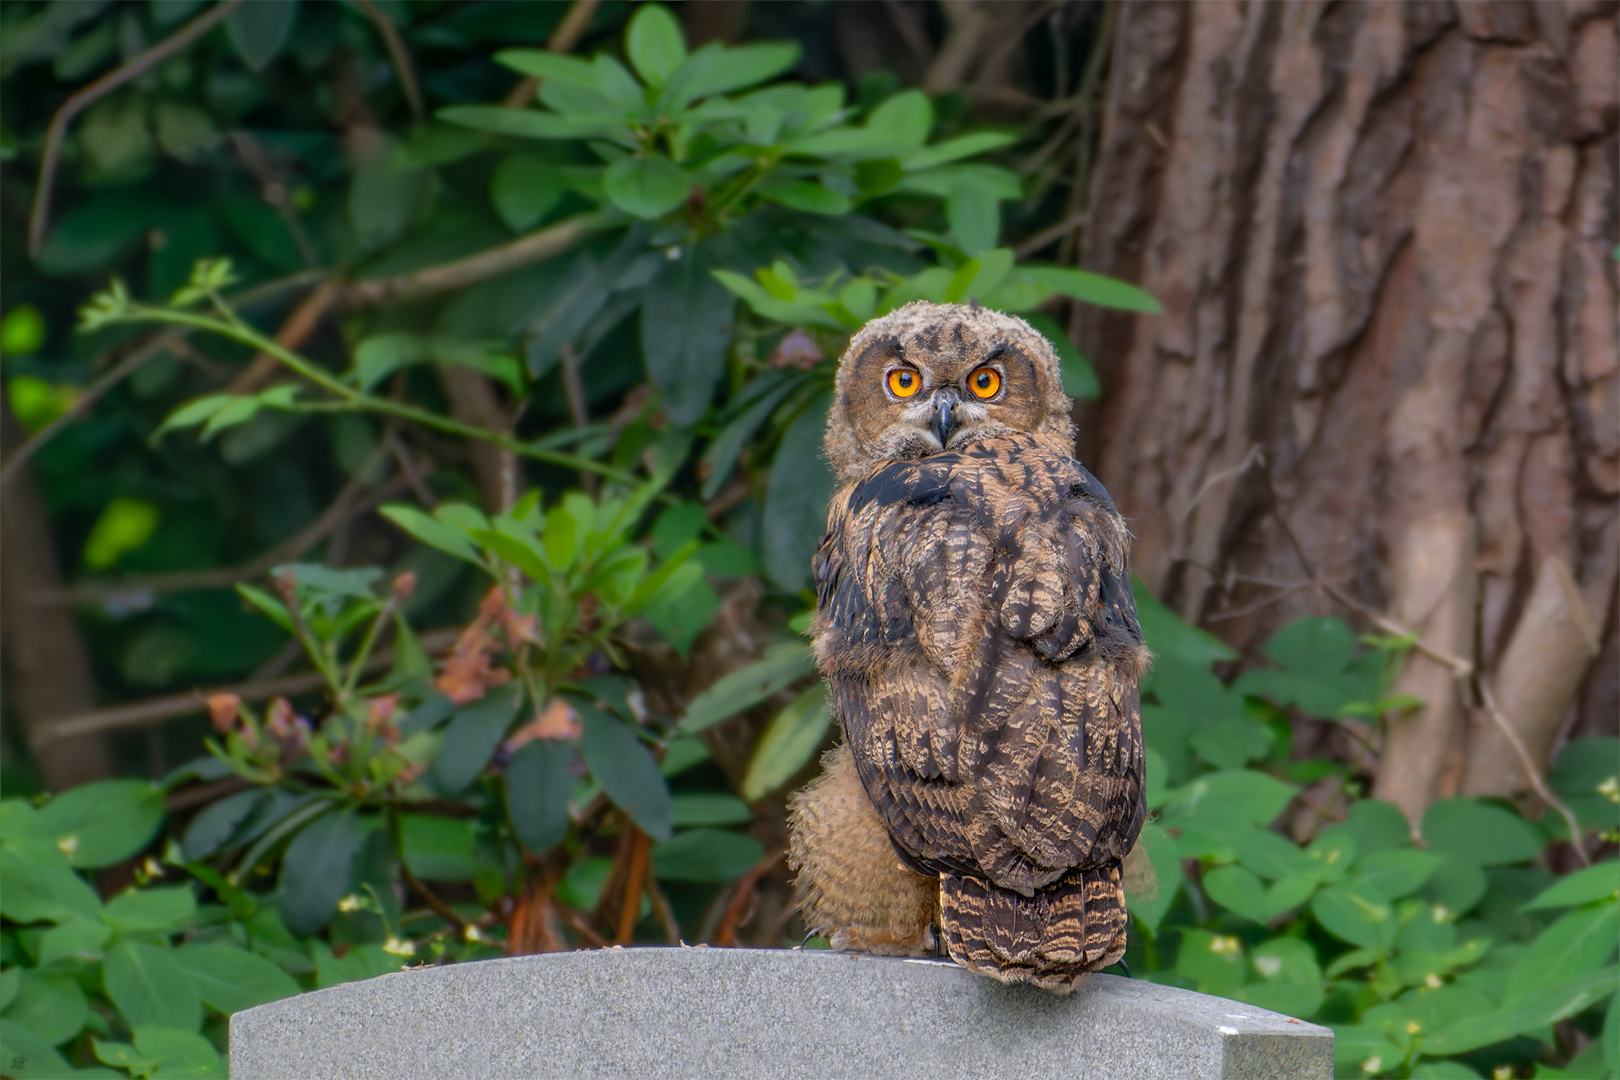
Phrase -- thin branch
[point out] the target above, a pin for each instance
(563, 39)
(538, 245)
(738, 908)
(407, 468)
(1051, 234)
(666, 914)
(401, 59)
(1255, 454)
(349, 501)
(440, 908)
(128, 366)
(39, 218)
(581, 926)
(635, 876)
(156, 710)
(300, 324)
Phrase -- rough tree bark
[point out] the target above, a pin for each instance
(1382, 234)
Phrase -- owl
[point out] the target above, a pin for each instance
(977, 632)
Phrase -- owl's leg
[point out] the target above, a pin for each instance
(852, 886)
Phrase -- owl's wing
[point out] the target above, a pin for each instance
(980, 638)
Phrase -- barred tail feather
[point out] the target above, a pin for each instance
(1051, 939)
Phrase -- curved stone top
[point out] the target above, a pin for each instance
(702, 1012)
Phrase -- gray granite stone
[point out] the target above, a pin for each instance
(759, 1013)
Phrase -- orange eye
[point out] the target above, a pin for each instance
(904, 383)
(984, 383)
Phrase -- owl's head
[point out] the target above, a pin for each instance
(933, 377)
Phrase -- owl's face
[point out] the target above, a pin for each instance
(935, 377)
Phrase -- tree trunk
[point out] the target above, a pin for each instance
(47, 668)
(1382, 234)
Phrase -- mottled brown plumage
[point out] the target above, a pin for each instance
(976, 628)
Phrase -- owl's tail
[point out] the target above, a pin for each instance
(1051, 939)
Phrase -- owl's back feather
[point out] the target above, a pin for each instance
(976, 627)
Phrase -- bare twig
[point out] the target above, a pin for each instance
(738, 908)
(401, 59)
(300, 324)
(1051, 234)
(408, 469)
(39, 218)
(540, 244)
(563, 39)
(666, 914)
(1255, 454)
(440, 908)
(156, 710)
(273, 190)
(635, 877)
(581, 926)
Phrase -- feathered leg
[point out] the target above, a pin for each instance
(1052, 939)
(852, 886)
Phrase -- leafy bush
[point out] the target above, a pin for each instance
(1453, 958)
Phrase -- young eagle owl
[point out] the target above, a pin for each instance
(975, 625)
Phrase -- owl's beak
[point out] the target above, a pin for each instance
(945, 422)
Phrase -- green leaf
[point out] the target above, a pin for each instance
(1291, 980)
(178, 1053)
(973, 209)
(149, 986)
(27, 1054)
(1355, 917)
(1549, 1006)
(1093, 288)
(1149, 905)
(962, 146)
(1480, 832)
(654, 43)
(525, 189)
(1378, 826)
(706, 855)
(544, 64)
(236, 412)
(1224, 800)
(788, 743)
(438, 848)
(708, 808)
(1312, 645)
(1458, 885)
(51, 1006)
(39, 885)
(215, 824)
(360, 962)
(782, 665)
(683, 752)
(1079, 378)
(1599, 882)
(1167, 635)
(75, 939)
(380, 355)
(1390, 875)
(538, 783)
(626, 771)
(101, 823)
(1213, 962)
(269, 605)
(801, 485)
(192, 413)
(534, 124)
(384, 199)
(725, 70)
(434, 533)
(902, 121)
(317, 869)
(1238, 890)
(646, 187)
(165, 909)
(472, 736)
(259, 30)
(686, 319)
(229, 979)
(805, 195)
(1580, 941)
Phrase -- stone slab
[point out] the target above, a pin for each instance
(744, 1013)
